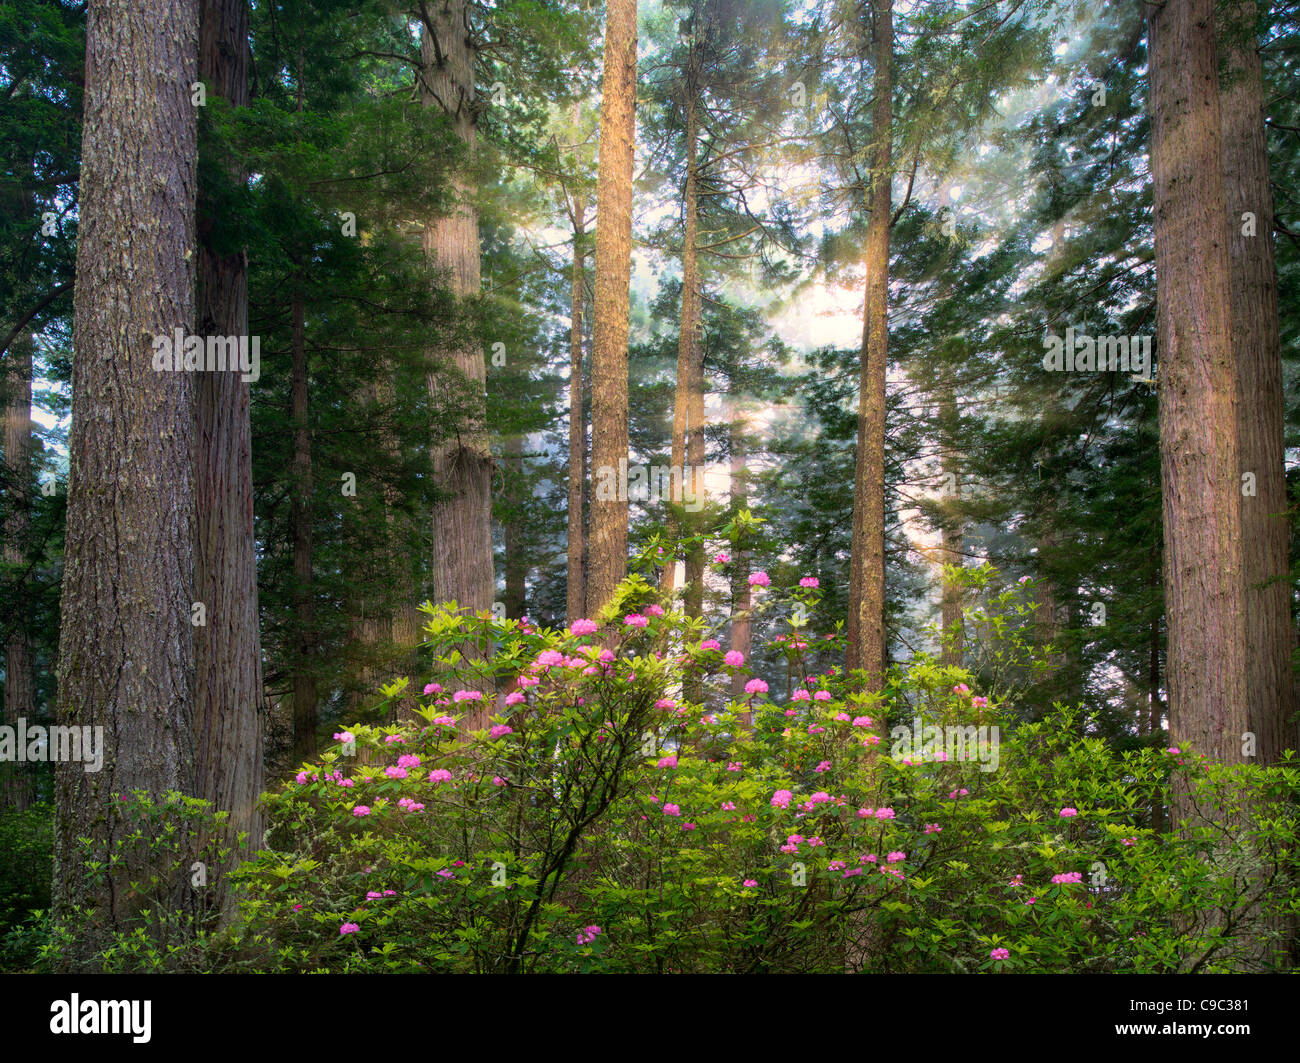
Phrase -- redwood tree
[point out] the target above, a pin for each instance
(126, 646)
(1199, 449)
(609, 434)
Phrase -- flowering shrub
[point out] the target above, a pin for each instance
(602, 821)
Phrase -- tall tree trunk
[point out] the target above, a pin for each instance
(950, 605)
(688, 326)
(742, 601)
(516, 562)
(865, 629)
(463, 562)
(1199, 448)
(950, 545)
(609, 428)
(126, 643)
(20, 683)
(300, 520)
(576, 604)
(1256, 342)
(228, 708)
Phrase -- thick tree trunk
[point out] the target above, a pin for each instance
(1199, 448)
(20, 685)
(576, 604)
(1256, 342)
(609, 427)
(228, 707)
(865, 629)
(463, 562)
(300, 520)
(126, 645)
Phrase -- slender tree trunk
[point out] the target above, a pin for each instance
(950, 606)
(688, 329)
(20, 681)
(516, 561)
(950, 548)
(463, 561)
(300, 519)
(576, 605)
(228, 706)
(126, 643)
(742, 601)
(865, 629)
(1257, 345)
(1199, 436)
(609, 427)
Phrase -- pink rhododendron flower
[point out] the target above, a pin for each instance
(439, 775)
(349, 928)
(1172, 749)
(1000, 954)
(433, 688)
(781, 799)
(810, 581)
(688, 826)
(1128, 841)
(514, 697)
(665, 703)
(498, 781)
(395, 773)
(842, 717)
(862, 721)
(528, 680)
(813, 729)
(347, 736)
(301, 776)
(406, 804)
(825, 765)
(821, 797)
(980, 703)
(734, 658)
(721, 559)
(759, 579)
(734, 765)
(408, 760)
(884, 813)
(361, 810)
(635, 620)
(548, 658)
(654, 610)
(896, 857)
(467, 695)
(801, 695)
(728, 806)
(606, 656)
(584, 627)
(756, 686)
(822, 695)
(672, 810)
(710, 644)
(961, 689)
(815, 841)
(750, 883)
(501, 729)
(932, 828)
(669, 761)
(1068, 812)
(445, 721)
